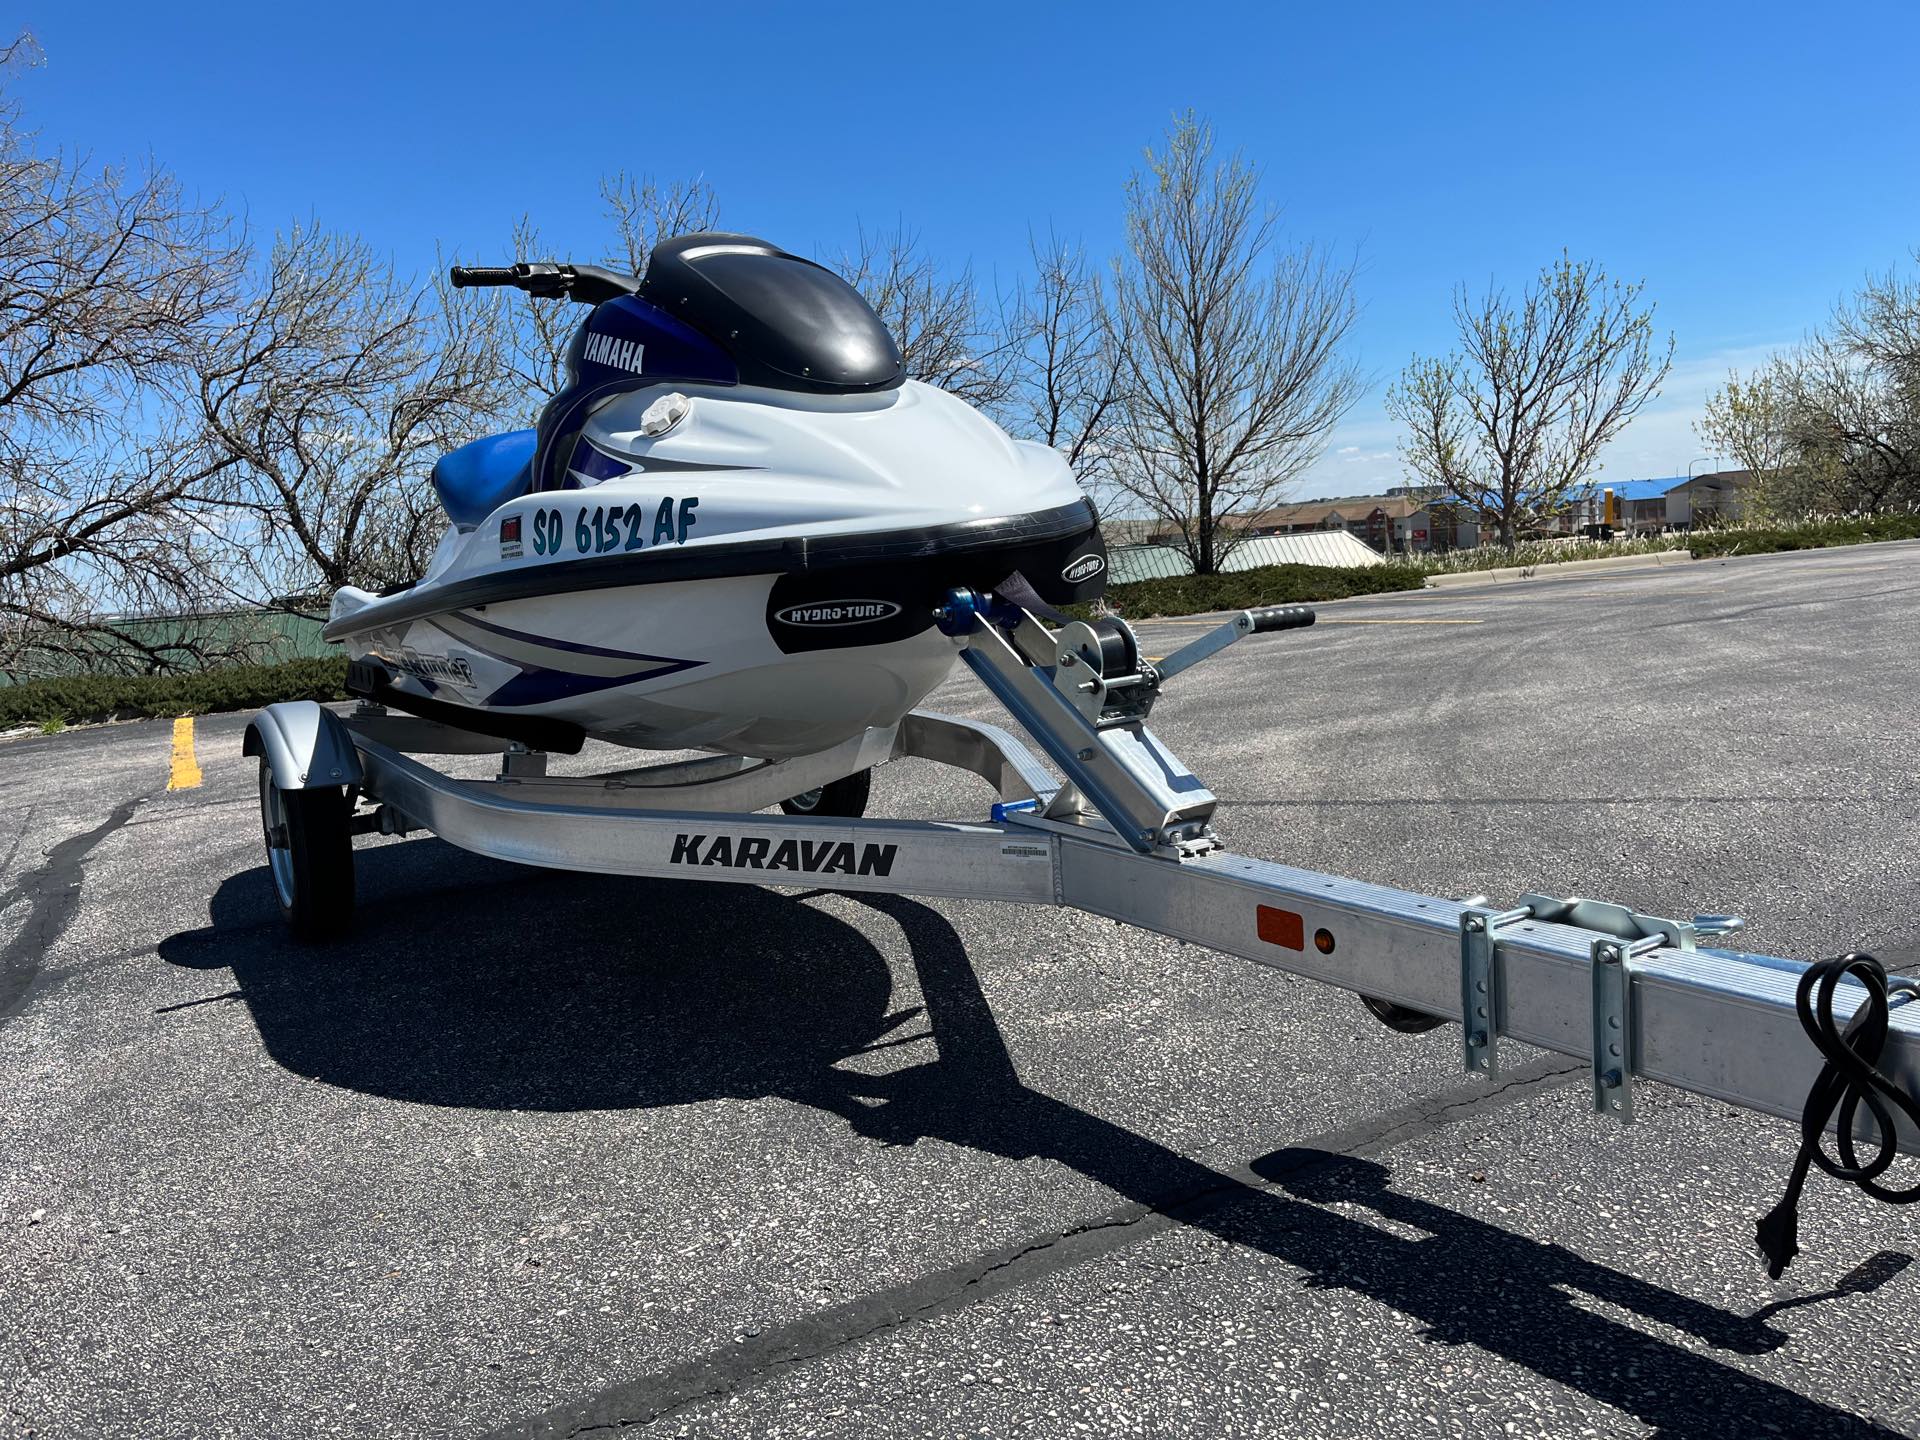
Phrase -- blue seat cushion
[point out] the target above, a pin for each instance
(481, 476)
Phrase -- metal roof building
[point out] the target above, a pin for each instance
(1625, 490)
(1334, 548)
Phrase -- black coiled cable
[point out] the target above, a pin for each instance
(1850, 1078)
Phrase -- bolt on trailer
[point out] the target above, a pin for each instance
(1117, 826)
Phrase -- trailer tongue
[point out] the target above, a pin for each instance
(1123, 830)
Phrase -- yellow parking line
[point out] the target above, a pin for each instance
(186, 766)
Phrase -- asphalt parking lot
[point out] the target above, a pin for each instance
(541, 1154)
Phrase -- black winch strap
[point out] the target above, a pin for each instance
(1850, 1078)
(1017, 588)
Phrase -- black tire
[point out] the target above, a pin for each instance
(1399, 1017)
(842, 800)
(312, 868)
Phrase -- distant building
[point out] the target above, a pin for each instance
(1333, 548)
(1639, 506)
(1380, 520)
(1415, 519)
(1443, 524)
(1389, 524)
(1713, 499)
(1133, 532)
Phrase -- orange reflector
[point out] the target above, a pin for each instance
(1281, 927)
(1323, 941)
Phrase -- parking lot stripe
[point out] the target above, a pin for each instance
(1435, 621)
(185, 774)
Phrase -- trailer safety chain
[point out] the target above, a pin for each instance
(1849, 1079)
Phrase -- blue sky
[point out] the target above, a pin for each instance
(1749, 161)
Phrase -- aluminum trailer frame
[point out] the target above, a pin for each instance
(1123, 832)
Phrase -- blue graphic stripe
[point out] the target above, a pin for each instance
(596, 464)
(540, 684)
(574, 646)
(536, 686)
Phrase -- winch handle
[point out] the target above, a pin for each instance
(1281, 617)
(1247, 622)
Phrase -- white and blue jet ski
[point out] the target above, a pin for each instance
(730, 530)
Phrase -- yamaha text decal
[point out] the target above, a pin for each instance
(612, 351)
(814, 857)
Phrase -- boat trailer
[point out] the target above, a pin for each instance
(1123, 831)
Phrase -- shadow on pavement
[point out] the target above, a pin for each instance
(474, 983)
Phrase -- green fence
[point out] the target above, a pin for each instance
(224, 637)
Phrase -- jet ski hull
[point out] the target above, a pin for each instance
(760, 580)
(678, 666)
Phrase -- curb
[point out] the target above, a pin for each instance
(1554, 569)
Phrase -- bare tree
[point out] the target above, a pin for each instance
(534, 333)
(334, 393)
(111, 283)
(1513, 423)
(644, 211)
(934, 316)
(1856, 397)
(640, 212)
(1066, 353)
(1233, 372)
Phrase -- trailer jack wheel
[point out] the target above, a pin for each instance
(1399, 1017)
(842, 800)
(309, 854)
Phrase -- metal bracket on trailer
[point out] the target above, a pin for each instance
(1131, 781)
(1612, 1041)
(1624, 936)
(1479, 985)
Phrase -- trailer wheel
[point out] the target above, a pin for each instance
(842, 800)
(309, 854)
(1399, 1017)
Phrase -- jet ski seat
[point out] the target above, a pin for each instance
(482, 475)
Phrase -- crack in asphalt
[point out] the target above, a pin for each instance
(52, 893)
(13, 853)
(760, 1358)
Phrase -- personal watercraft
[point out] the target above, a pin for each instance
(729, 531)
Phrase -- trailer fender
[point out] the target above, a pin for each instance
(307, 746)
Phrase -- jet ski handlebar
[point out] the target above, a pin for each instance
(588, 284)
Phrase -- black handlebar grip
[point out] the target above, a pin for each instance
(465, 275)
(1281, 617)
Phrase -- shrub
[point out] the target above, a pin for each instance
(75, 699)
(1249, 589)
(1813, 535)
(1544, 552)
